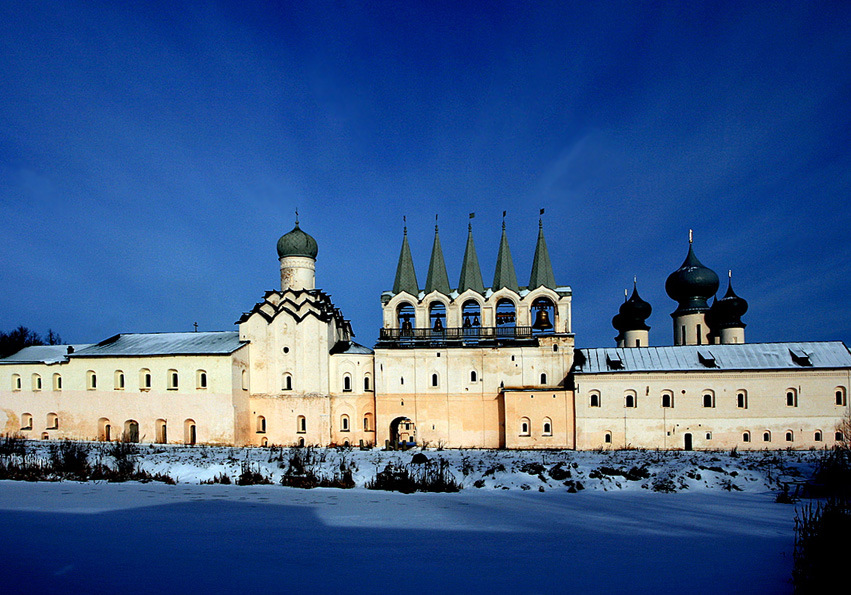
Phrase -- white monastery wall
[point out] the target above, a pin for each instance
(707, 406)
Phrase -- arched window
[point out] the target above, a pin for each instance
(200, 379)
(667, 399)
(301, 424)
(709, 399)
(839, 394)
(91, 380)
(344, 423)
(118, 380)
(629, 399)
(434, 380)
(36, 382)
(790, 436)
(474, 376)
(839, 436)
(746, 437)
(261, 424)
(57, 382)
(544, 378)
(162, 431)
(548, 427)
(791, 397)
(16, 382)
(190, 432)
(131, 431)
(26, 421)
(367, 422)
(301, 442)
(817, 436)
(742, 399)
(347, 382)
(145, 379)
(405, 319)
(524, 426)
(288, 381)
(52, 421)
(367, 382)
(437, 318)
(244, 376)
(104, 430)
(766, 436)
(471, 314)
(595, 399)
(172, 380)
(506, 318)
(607, 438)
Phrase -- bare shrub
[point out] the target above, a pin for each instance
(70, 460)
(433, 476)
(220, 478)
(821, 533)
(250, 476)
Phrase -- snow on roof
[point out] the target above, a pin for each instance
(42, 354)
(135, 344)
(745, 356)
(351, 348)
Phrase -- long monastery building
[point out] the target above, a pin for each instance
(463, 366)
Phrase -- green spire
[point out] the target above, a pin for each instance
(542, 268)
(437, 278)
(406, 278)
(504, 276)
(471, 274)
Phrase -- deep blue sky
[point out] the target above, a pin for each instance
(151, 156)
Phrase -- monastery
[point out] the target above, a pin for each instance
(465, 366)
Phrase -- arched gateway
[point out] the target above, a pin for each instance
(402, 433)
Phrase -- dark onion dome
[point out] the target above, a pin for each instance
(691, 285)
(619, 323)
(632, 313)
(297, 243)
(728, 311)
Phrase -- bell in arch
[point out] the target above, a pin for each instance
(542, 320)
(438, 325)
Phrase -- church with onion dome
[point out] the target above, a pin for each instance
(458, 365)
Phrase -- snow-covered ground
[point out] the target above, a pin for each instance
(719, 532)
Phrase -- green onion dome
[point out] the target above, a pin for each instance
(297, 243)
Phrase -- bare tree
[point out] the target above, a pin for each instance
(17, 339)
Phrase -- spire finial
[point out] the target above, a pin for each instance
(503, 220)
(435, 222)
(296, 216)
(404, 225)
(624, 294)
(470, 223)
(690, 236)
(635, 281)
(729, 273)
(541, 219)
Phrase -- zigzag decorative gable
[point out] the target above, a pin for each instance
(300, 304)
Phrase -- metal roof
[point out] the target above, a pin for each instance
(42, 354)
(136, 344)
(745, 356)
